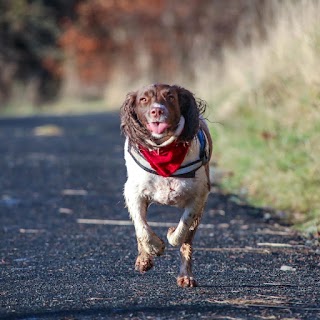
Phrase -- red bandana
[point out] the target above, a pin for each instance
(166, 160)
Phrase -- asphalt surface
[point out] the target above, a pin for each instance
(54, 266)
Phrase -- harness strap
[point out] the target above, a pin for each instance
(204, 152)
(185, 171)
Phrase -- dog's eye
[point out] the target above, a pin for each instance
(171, 97)
(143, 99)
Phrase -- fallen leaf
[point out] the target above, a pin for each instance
(31, 230)
(223, 225)
(267, 135)
(48, 130)
(74, 192)
(276, 245)
(65, 210)
(287, 268)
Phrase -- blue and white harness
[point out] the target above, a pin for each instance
(186, 170)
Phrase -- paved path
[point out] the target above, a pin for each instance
(67, 250)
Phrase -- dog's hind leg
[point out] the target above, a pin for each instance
(185, 277)
(183, 235)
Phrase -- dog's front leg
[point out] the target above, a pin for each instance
(149, 244)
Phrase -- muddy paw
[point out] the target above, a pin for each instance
(154, 246)
(186, 282)
(171, 230)
(172, 237)
(143, 263)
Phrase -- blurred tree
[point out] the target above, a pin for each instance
(86, 43)
(161, 38)
(28, 52)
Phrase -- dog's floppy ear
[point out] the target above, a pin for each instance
(131, 127)
(191, 110)
(127, 112)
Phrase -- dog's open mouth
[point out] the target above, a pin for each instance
(157, 127)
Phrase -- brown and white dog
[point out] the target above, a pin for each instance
(167, 152)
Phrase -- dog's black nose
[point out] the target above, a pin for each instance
(156, 111)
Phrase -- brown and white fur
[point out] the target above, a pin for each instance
(150, 117)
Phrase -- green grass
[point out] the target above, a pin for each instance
(268, 107)
(274, 165)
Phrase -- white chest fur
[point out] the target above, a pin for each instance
(170, 191)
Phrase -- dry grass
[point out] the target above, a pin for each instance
(268, 105)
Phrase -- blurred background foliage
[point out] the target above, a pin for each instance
(30, 57)
(92, 49)
(254, 61)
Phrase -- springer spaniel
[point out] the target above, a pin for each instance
(167, 152)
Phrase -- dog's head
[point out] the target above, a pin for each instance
(155, 112)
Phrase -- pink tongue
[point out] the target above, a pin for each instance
(157, 127)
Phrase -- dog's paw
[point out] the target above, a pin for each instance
(186, 282)
(171, 230)
(144, 263)
(172, 237)
(154, 246)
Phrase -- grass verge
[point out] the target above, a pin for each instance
(267, 108)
